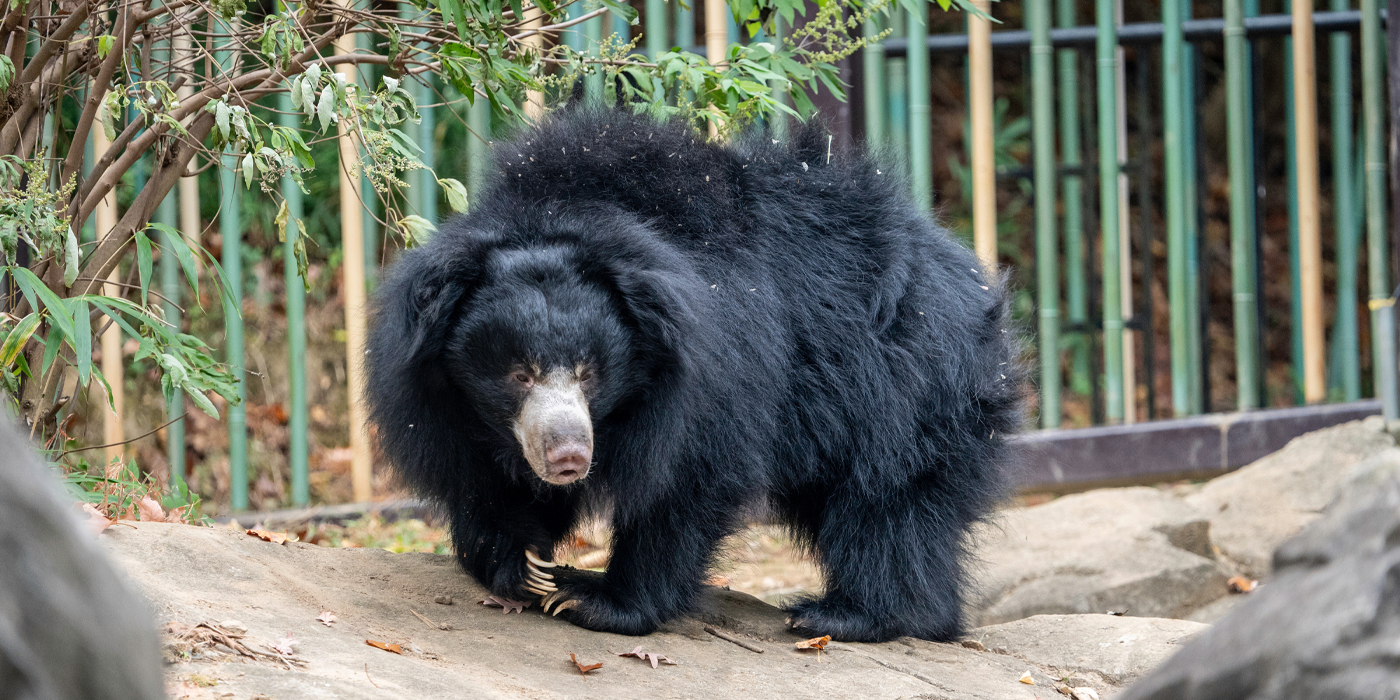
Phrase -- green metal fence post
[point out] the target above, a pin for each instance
(897, 107)
(873, 71)
(1106, 47)
(1198, 388)
(167, 213)
(685, 26)
(1378, 258)
(296, 324)
(592, 41)
(657, 41)
(1241, 230)
(478, 145)
(231, 234)
(1076, 265)
(1173, 153)
(920, 125)
(1046, 241)
(1346, 342)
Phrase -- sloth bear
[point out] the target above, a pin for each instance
(635, 322)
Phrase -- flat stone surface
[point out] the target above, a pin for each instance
(1139, 550)
(1253, 510)
(1115, 649)
(193, 575)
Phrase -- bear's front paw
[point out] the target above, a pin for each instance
(587, 602)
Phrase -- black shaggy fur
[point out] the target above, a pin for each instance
(766, 322)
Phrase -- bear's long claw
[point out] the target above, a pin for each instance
(566, 605)
(531, 587)
(535, 559)
(551, 599)
(536, 572)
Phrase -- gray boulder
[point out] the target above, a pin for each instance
(1090, 650)
(1136, 550)
(1327, 625)
(1253, 510)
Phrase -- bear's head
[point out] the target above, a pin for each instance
(541, 328)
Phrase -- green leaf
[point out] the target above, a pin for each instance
(143, 263)
(175, 242)
(70, 259)
(249, 168)
(326, 107)
(32, 286)
(7, 72)
(281, 221)
(52, 344)
(82, 339)
(622, 10)
(203, 402)
(456, 194)
(104, 45)
(416, 230)
(222, 114)
(14, 342)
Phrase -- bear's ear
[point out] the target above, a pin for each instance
(415, 307)
(661, 304)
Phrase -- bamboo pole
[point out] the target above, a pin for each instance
(113, 369)
(1295, 274)
(716, 38)
(1382, 304)
(873, 70)
(534, 99)
(1125, 239)
(1309, 217)
(984, 168)
(1076, 284)
(1241, 233)
(1046, 235)
(231, 235)
(1106, 54)
(920, 124)
(1174, 157)
(352, 247)
(1345, 334)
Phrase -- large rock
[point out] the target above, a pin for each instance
(1106, 648)
(1138, 550)
(1253, 510)
(70, 628)
(236, 582)
(1328, 623)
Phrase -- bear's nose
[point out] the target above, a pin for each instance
(568, 462)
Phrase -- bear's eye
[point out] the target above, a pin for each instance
(524, 378)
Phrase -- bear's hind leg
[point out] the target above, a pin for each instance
(893, 564)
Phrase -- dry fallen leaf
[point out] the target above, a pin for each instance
(585, 669)
(493, 601)
(326, 618)
(1026, 678)
(96, 521)
(273, 537)
(284, 646)
(386, 647)
(150, 509)
(1240, 584)
(647, 656)
(817, 643)
(1084, 693)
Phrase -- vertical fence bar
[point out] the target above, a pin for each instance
(896, 78)
(592, 31)
(873, 72)
(984, 167)
(657, 40)
(920, 124)
(296, 324)
(167, 213)
(1382, 304)
(1125, 247)
(1174, 157)
(1345, 338)
(422, 185)
(1251, 205)
(1309, 221)
(231, 236)
(1076, 284)
(1106, 48)
(353, 250)
(1241, 232)
(1198, 387)
(1047, 246)
(685, 25)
